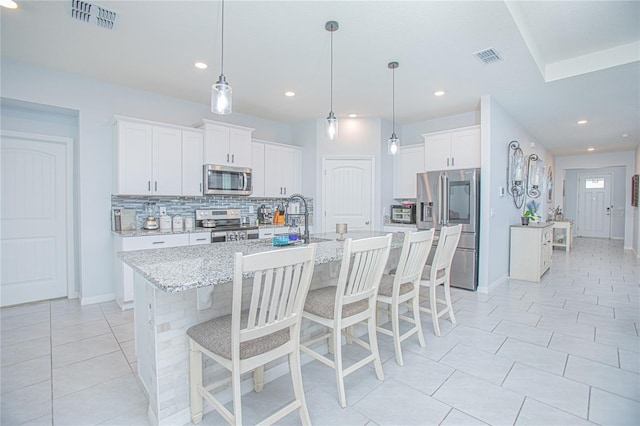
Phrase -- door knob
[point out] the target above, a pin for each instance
(367, 222)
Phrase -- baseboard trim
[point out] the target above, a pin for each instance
(97, 299)
(489, 288)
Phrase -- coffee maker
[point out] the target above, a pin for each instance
(265, 215)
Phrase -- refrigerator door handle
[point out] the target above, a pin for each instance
(445, 198)
(440, 200)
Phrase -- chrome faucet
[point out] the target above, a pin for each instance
(305, 237)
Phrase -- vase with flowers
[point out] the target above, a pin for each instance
(531, 213)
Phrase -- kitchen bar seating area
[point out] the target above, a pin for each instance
(564, 351)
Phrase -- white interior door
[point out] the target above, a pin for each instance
(348, 193)
(33, 219)
(594, 199)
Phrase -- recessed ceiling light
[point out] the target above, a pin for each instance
(9, 4)
(439, 92)
(624, 135)
(582, 122)
(591, 149)
(289, 94)
(353, 115)
(201, 65)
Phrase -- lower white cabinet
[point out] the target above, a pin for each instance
(199, 238)
(124, 273)
(531, 251)
(270, 232)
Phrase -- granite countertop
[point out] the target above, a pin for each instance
(150, 233)
(533, 225)
(177, 269)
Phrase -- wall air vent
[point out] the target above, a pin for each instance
(87, 12)
(488, 56)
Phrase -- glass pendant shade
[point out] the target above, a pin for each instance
(393, 144)
(332, 126)
(221, 99)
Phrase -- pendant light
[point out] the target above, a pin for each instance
(332, 122)
(394, 142)
(221, 91)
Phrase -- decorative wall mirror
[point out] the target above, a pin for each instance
(550, 185)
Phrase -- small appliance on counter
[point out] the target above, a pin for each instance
(150, 221)
(405, 213)
(265, 215)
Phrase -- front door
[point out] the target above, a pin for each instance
(33, 218)
(594, 202)
(348, 193)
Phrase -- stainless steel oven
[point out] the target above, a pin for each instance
(226, 225)
(226, 180)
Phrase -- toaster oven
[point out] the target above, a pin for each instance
(403, 214)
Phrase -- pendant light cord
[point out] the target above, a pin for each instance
(222, 43)
(331, 74)
(393, 96)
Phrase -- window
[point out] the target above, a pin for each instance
(594, 183)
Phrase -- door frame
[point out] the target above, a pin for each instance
(610, 190)
(371, 160)
(72, 293)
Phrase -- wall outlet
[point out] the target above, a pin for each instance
(163, 211)
(250, 209)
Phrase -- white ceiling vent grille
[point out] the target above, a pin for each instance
(87, 12)
(488, 56)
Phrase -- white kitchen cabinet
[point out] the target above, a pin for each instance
(199, 238)
(124, 273)
(408, 161)
(277, 169)
(192, 148)
(264, 233)
(227, 144)
(531, 251)
(157, 159)
(453, 149)
(282, 170)
(257, 169)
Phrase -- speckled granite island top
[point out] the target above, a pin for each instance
(177, 269)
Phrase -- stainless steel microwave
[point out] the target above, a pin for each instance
(226, 180)
(403, 214)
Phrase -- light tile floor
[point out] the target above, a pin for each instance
(565, 351)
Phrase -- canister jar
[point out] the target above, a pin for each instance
(178, 223)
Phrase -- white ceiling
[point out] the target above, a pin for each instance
(563, 60)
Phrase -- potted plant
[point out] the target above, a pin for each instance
(531, 213)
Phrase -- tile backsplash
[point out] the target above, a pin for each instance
(186, 206)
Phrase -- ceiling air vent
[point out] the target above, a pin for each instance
(87, 12)
(488, 56)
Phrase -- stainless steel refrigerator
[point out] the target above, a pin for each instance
(448, 198)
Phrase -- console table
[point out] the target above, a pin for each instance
(567, 240)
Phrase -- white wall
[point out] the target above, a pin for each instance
(634, 212)
(96, 103)
(598, 161)
(497, 213)
(358, 137)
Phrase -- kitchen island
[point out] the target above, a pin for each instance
(175, 288)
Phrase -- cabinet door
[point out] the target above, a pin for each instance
(437, 151)
(216, 145)
(257, 168)
(465, 149)
(134, 158)
(291, 171)
(192, 155)
(273, 169)
(240, 148)
(167, 161)
(408, 162)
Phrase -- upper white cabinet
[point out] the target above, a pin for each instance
(192, 148)
(227, 144)
(277, 169)
(408, 161)
(453, 149)
(157, 159)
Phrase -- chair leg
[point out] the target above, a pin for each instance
(298, 390)
(416, 318)
(373, 342)
(447, 296)
(195, 382)
(434, 309)
(395, 327)
(330, 346)
(237, 395)
(349, 334)
(337, 355)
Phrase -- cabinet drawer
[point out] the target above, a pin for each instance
(199, 238)
(155, 241)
